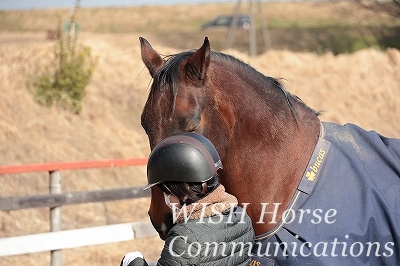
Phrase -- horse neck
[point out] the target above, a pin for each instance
(278, 155)
(268, 152)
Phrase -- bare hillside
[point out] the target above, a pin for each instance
(361, 88)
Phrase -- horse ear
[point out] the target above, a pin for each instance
(198, 63)
(150, 57)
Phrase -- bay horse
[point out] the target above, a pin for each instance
(280, 161)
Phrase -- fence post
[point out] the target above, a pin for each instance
(55, 215)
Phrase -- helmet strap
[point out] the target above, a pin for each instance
(204, 187)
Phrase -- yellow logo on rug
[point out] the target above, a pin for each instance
(315, 167)
(255, 263)
(310, 176)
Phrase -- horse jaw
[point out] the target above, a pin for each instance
(160, 214)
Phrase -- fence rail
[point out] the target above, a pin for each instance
(57, 240)
(19, 245)
(55, 166)
(55, 200)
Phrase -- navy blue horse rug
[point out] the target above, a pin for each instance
(346, 210)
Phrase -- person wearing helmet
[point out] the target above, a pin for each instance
(209, 228)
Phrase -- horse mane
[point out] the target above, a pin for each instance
(273, 82)
(168, 77)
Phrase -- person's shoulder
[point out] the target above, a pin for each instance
(238, 214)
(182, 230)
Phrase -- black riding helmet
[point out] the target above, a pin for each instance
(182, 157)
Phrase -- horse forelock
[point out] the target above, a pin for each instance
(166, 80)
(168, 76)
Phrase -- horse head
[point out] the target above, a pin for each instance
(169, 110)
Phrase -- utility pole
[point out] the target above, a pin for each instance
(253, 27)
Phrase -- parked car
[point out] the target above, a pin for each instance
(226, 21)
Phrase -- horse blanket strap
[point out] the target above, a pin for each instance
(346, 210)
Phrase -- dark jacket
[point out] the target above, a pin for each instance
(214, 232)
(214, 242)
(211, 231)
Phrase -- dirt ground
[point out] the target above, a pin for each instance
(361, 88)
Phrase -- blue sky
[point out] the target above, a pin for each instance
(29, 4)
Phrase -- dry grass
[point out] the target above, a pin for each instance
(361, 88)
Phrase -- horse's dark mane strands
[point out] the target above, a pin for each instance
(274, 81)
(169, 73)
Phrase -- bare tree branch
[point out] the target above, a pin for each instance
(392, 7)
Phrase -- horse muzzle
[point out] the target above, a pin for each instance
(163, 228)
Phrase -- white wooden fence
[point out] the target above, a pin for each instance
(57, 240)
